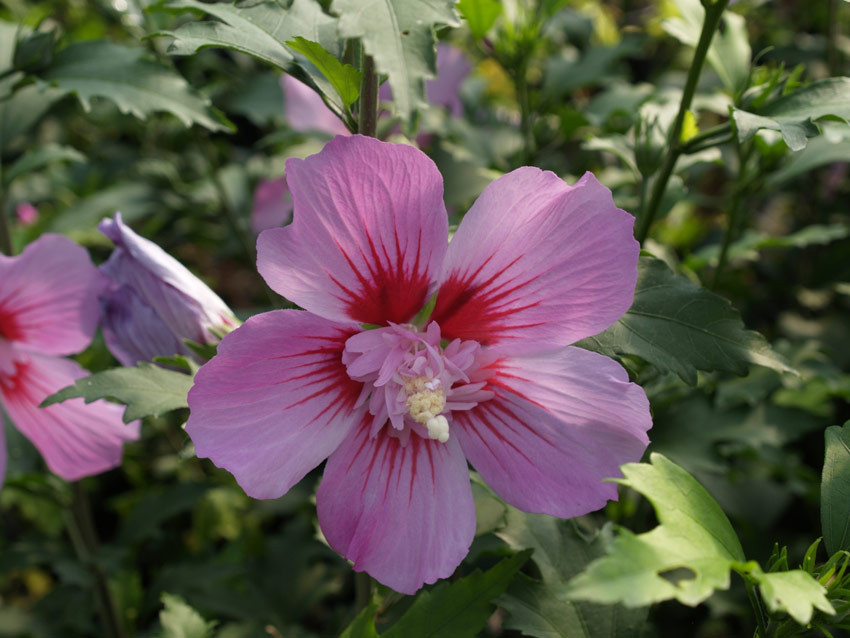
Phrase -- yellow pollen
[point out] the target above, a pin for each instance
(425, 401)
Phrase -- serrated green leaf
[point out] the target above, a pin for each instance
(795, 114)
(344, 78)
(101, 69)
(458, 609)
(146, 390)
(363, 626)
(41, 157)
(687, 557)
(680, 327)
(178, 620)
(794, 592)
(820, 151)
(835, 489)
(260, 30)
(399, 35)
(561, 551)
(480, 15)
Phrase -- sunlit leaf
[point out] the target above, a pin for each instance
(687, 557)
(178, 620)
(344, 78)
(480, 15)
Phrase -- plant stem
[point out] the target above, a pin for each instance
(368, 107)
(761, 631)
(741, 186)
(362, 590)
(521, 81)
(713, 13)
(81, 529)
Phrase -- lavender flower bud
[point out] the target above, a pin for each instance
(155, 303)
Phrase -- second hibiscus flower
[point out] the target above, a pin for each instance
(398, 410)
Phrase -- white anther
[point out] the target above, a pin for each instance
(433, 384)
(438, 428)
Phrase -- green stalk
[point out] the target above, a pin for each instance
(368, 107)
(521, 81)
(761, 631)
(81, 529)
(741, 186)
(362, 591)
(713, 13)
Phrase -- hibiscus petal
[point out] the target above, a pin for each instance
(75, 439)
(368, 235)
(537, 264)
(558, 425)
(275, 401)
(404, 514)
(48, 296)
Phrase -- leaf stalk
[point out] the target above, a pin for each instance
(713, 13)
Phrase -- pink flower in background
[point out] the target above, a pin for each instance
(398, 410)
(26, 213)
(49, 308)
(306, 111)
(272, 205)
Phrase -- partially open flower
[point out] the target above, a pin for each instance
(154, 303)
(397, 401)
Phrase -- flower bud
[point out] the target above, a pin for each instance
(154, 303)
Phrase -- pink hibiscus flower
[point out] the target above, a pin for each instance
(398, 410)
(49, 308)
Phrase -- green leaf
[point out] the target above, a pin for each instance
(747, 247)
(137, 86)
(480, 15)
(399, 35)
(261, 30)
(835, 489)
(345, 79)
(820, 151)
(794, 115)
(79, 221)
(23, 109)
(794, 592)
(687, 557)
(729, 53)
(178, 620)
(146, 390)
(41, 157)
(457, 609)
(561, 551)
(363, 626)
(680, 327)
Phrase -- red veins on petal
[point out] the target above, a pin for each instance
(9, 328)
(388, 292)
(479, 310)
